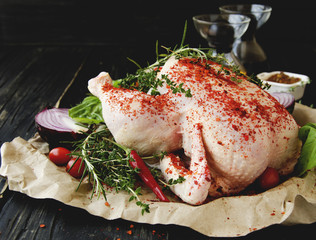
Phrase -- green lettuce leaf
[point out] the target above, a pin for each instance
(307, 159)
(89, 111)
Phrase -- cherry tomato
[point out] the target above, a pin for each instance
(269, 178)
(75, 167)
(59, 155)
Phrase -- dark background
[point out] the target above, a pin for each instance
(288, 38)
(138, 22)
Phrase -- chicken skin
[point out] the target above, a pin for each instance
(230, 128)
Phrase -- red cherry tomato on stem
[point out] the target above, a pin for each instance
(269, 178)
(75, 167)
(59, 155)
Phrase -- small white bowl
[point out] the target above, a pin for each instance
(297, 89)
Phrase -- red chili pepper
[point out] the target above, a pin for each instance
(146, 176)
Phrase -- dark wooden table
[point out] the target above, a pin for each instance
(41, 55)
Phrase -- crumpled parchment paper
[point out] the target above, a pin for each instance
(28, 170)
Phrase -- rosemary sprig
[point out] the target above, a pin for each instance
(107, 165)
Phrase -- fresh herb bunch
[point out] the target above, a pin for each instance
(145, 79)
(106, 164)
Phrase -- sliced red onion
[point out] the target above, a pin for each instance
(56, 127)
(286, 99)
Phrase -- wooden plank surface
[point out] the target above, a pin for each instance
(34, 77)
(31, 79)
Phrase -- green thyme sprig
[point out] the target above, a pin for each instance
(166, 185)
(172, 182)
(143, 80)
(254, 79)
(146, 79)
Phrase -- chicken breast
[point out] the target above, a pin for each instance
(241, 128)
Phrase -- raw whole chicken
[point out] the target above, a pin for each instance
(231, 129)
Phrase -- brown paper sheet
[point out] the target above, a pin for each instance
(28, 170)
